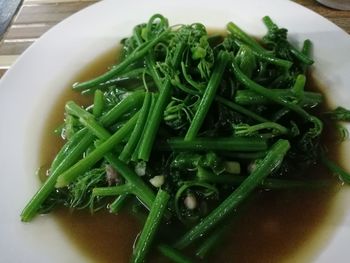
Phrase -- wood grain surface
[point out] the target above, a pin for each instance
(35, 17)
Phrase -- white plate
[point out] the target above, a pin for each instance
(30, 87)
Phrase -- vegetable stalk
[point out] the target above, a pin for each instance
(151, 226)
(266, 166)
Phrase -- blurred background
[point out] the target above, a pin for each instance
(7, 10)
(23, 21)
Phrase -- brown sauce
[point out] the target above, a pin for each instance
(274, 226)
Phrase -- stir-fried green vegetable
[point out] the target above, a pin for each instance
(202, 120)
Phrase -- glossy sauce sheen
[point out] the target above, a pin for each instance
(270, 227)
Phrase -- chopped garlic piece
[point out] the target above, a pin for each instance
(157, 181)
(190, 202)
(140, 168)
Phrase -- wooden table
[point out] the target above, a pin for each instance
(35, 17)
